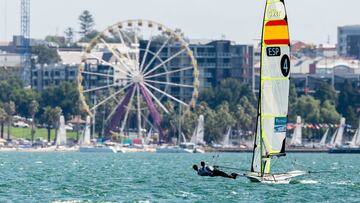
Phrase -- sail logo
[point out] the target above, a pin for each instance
(280, 124)
(275, 11)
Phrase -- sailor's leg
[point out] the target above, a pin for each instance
(222, 174)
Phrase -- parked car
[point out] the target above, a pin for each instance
(21, 124)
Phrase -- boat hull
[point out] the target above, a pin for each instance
(345, 150)
(98, 150)
(282, 178)
(173, 150)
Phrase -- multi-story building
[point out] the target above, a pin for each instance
(47, 75)
(349, 41)
(223, 59)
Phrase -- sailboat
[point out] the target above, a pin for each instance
(196, 140)
(85, 143)
(351, 147)
(61, 133)
(296, 140)
(274, 97)
(85, 138)
(337, 138)
(226, 142)
(322, 143)
(355, 142)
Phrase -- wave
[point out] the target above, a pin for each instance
(308, 182)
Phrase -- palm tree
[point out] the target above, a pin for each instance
(3, 117)
(10, 110)
(33, 109)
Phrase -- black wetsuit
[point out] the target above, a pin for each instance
(213, 172)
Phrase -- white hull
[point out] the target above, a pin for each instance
(283, 178)
(93, 149)
(173, 149)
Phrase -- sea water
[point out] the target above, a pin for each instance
(151, 177)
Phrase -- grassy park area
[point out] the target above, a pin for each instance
(40, 133)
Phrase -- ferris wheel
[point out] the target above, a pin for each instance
(131, 69)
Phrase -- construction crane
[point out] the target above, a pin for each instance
(25, 42)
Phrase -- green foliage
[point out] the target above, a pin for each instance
(328, 112)
(326, 92)
(69, 36)
(45, 54)
(87, 24)
(229, 90)
(308, 108)
(64, 96)
(349, 103)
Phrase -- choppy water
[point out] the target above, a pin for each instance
(78, 177)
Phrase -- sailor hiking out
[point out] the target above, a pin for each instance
(212, 171)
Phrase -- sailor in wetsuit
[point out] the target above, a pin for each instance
(212, 171)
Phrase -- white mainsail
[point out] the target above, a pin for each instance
(274, 88)
(355, 142)
(148, 137)
(337, 138)
(198, 135)
(61, 133)
(85, 138)
(297, 135)
(226, 141)
(324, 137)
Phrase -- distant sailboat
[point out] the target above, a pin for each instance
(350, 147)
(85, 138)
(324, 137)
(198, 134)
(226, 143)
(297, 135)
(274, 96)
(148, 137)
(61, 133)
(188, 147)
(337, 138)
(355, 142)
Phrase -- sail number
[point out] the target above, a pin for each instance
(273, 51)
(285, 65)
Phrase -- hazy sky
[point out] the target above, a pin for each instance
(239, 20)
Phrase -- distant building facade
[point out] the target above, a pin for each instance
(43, 76)
(349, 41)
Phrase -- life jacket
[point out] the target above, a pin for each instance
(205, 171)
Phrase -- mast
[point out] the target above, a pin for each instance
(274, 88)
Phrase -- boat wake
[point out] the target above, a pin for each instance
(343, 182)
(304, 182)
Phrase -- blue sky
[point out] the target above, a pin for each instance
(238, 20)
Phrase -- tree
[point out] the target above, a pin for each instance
(69, 36)
(65, 96)
(245, 115)
(328, 113)
(326, 92)
(349, 102)
(34, 108)
(86, 23)
(308, 108)
(3, 117)
(45, 54)
(10, 110)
